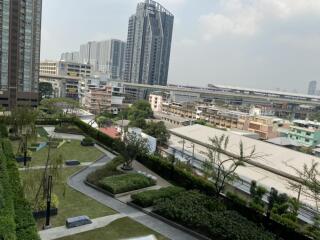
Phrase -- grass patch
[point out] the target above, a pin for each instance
(69, 151)
(110, 169)
(148, 198)
(71, 202)
(123, 228)
(126, 183)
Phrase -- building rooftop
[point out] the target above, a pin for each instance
(283, 141)
(111, 132)
(276, 158)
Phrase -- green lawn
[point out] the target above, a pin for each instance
(69, 151)
(71, 202)
(120, 229)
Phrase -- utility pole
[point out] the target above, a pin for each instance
(48, 211)
(25, 151)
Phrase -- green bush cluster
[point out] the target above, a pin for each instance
(87, 141)
(16, 220)
(125, 183)
(69, 129)
(3, 131)
(110, 169)
(148, 198)
(209, 216)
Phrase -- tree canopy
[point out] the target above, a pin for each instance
(159, 131)
(140, 110)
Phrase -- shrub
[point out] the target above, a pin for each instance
(3, 131)
(236, 198)
(148, 198)
(209, 217)
(69, 129)
(110, 169)
(125, 183)
(87, 141)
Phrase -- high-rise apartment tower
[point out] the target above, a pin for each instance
(312, 89)
(149, 44)
(105, 57)
(20, 34)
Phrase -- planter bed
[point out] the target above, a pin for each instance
(125, 183)
(148, 198)
(68, 130)
(148, 211)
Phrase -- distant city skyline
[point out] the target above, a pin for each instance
(266, 44)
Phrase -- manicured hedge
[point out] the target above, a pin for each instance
(148, 198)
(125, 183)
(113, 144)
(209, 216)
(175, 174)
(110, 169)
(87, 141)
(69, 129)
(17, 221)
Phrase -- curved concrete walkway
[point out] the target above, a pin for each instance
(76, 181)
(60, 232)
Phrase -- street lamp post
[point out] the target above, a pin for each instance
(48, 211)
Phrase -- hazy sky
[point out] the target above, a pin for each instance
(251, 43)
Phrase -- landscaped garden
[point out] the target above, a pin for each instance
(69, 150)
(70, 202)
(212, 221)
(124, 228)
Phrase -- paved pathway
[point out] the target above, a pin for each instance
(83, 164)
(77, 182)
(59, 232)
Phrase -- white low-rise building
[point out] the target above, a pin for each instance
(278, 163)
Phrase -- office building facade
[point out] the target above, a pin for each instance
(105, 57)
(149, 44)
(312, 89)
(20, 34)
(70, 57)
(63, 68)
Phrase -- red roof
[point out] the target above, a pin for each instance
(111, 132)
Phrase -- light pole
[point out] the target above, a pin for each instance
(48, 211)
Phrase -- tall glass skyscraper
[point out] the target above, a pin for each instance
(105, 57)
(149, 44)
(20, 34)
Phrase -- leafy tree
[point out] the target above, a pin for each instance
(138, 122)
(103, 121)
(257, 193)
(200, 122)
(23, 118)
(45, 90)
(309, 184)
(140, 110)
(224, 164)
(57, 105)
(133, 145)
(159, 131)
(3, 131)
